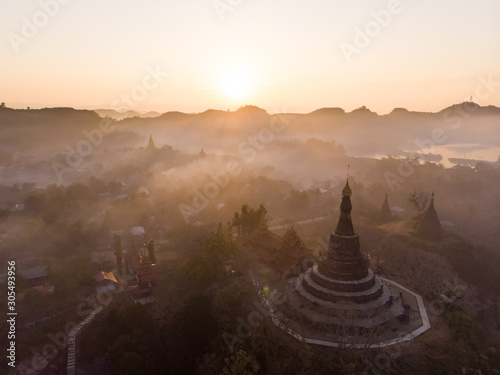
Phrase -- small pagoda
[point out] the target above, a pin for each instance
(151, 145)
(385, 214)
(280, 254)
(428, 226)
(292, 244)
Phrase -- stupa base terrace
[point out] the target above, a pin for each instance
(370, 325)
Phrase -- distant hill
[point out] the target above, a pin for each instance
(60, 118)
(399, 131)
(173, 115)
(56, 114)
(41, 130)
(328, 112)
(122, 115)
(470, 107)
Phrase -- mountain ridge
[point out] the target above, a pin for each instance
(251, 109)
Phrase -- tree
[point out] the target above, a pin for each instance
(2, 105)
(129, 363)
(78, 195)
(114, 187)
(34, 203)
(240, 364)
(189, 334)
(248, 219)
(71, 275)
(299, 199)
(207, 265)
(96, 185)
(419, 200)
(428, 272)
(131, 340)
(461, 324)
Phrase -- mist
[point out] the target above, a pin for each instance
(71, 181)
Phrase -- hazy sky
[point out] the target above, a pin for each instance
(292, 55)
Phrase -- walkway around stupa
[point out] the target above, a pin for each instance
(419, 321)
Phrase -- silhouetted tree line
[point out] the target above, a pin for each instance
(248, 219)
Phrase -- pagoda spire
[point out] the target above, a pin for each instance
(429, 226)
(431, 205)
(344, 259)
(385, 214)
(292, 244)
(151, 145)
(261, 229)
(344, 226)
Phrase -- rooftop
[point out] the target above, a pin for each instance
(105, 276)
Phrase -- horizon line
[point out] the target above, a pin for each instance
(142, 112)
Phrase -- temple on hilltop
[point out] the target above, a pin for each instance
(338, 300)
(428, 226)
(385, 214)
(151, 145)
(282, 255)
(292, 245)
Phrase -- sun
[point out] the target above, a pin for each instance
(236, 85)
